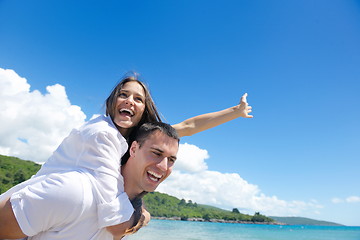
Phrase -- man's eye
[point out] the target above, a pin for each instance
(171, 160)
(156, 153)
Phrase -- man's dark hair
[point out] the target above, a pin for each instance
(146, 130)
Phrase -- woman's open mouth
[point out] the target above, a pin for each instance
(126, 112)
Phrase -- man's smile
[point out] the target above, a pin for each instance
(154, 176)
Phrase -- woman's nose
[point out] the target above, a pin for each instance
(130, 100)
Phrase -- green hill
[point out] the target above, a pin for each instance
(14, 170)
(163, 205)
(303, 221)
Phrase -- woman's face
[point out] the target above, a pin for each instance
(130, 106)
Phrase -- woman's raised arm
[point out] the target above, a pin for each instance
(209, 120)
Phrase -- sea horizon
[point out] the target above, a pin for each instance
(170, 229)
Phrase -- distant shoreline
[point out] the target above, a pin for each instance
(217, 221)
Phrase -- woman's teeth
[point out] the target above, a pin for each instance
(128, 111)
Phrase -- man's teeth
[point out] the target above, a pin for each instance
(154, 176)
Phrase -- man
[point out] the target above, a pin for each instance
(152, 156)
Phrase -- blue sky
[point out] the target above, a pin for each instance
(298, 61)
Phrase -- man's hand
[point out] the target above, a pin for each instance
(147, 216)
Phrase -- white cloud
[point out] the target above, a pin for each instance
(33, 124)
(337, 200)
(224, 190)
(190, 158)
(353, 199)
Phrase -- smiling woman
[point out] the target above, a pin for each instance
(130, 105)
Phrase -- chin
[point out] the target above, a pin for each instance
(152, 189)
(125, 125)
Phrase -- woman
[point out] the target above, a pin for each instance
(97, 148)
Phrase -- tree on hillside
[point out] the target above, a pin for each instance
(182, 202)
(260, 218)
(235, 210)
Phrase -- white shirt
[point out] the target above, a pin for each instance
(94, 152)
(97, 147)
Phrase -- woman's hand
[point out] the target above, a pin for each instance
(244, 108)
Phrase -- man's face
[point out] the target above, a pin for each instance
(149, 164)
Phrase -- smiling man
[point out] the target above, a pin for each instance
(152, 157)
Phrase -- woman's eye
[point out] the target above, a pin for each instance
(122, 95)
(139, 99)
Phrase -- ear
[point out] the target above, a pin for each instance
(134, 146)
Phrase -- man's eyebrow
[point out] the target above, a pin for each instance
(161, 151)
(157, 149)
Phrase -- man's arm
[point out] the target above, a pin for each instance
(9, 227)
(203, 122)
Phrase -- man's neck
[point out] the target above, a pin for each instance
(130, 190)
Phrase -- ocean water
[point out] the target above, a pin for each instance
(176, 230)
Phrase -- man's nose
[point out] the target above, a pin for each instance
(163, 164)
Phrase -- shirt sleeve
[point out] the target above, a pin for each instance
(115, 212)
(49, 203)
(102, 154)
